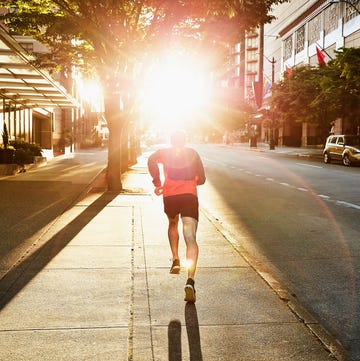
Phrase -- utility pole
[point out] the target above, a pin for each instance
(272, 140)
(261, 63)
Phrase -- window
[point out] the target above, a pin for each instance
(314, 29)
(331, 18)
(350, 10)
(252, 56)
(252, 43)
(300, 40)
(252, 68)
(288, 48)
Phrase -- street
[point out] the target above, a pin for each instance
(301, 218)
(298, 217)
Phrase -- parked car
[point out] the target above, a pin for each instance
(344, 148)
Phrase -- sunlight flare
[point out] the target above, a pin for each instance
(175, 92)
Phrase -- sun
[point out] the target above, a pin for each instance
(175, 91)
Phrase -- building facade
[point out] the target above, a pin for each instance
(300, 27)
(33, 106)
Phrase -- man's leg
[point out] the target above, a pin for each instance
(192, 250)
(173, 235)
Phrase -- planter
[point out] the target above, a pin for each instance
(7, 156)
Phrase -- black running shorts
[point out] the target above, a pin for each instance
(187, 205)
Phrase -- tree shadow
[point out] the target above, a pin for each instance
(20, 275)
(193, 333)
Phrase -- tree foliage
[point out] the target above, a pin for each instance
(95, 34)
(320, 95)
(110, 38)
(341, 86)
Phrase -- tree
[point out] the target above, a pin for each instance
(292, 97)
(340, 87)
(320, 95)
(110, 38)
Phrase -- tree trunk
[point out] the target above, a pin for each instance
(115, 125)
(118, 104)
(124, 148)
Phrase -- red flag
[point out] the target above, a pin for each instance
(288, 70)
(320, 57)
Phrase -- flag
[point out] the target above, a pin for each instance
(266, 84)
(288, 70)
(320, 57)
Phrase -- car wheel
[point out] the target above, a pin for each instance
(346, 160)
(326, 158)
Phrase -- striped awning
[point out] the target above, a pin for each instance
(22, 84)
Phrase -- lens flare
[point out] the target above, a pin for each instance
(174, 91)
(188, 263)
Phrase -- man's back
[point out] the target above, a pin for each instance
(183, 170)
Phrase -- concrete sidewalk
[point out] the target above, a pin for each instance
(100, 289)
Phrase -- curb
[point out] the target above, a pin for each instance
(13, 169)
(329, 342)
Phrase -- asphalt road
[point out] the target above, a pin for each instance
(299, 218)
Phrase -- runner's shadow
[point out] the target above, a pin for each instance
(174, 339)
(193, 332)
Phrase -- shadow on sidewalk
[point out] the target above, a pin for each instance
(193, 333)
(20, 275)
(174, 339)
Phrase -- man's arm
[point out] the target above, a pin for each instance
(154, 168)
(200, 172)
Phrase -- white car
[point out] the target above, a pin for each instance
(344, 148)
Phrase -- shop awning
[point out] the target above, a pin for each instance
(22, 84)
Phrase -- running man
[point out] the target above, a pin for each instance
(183, 172)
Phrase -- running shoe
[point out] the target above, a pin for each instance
(175, 268)
(190, 291)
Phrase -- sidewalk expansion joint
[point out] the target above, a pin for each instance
(79, 269)
(241, 324)
(147, 285)
(63, 328)
(130, 339)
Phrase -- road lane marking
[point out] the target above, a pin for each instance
(310, 165)
(285, 184)
(300, 189)
(347, 204)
